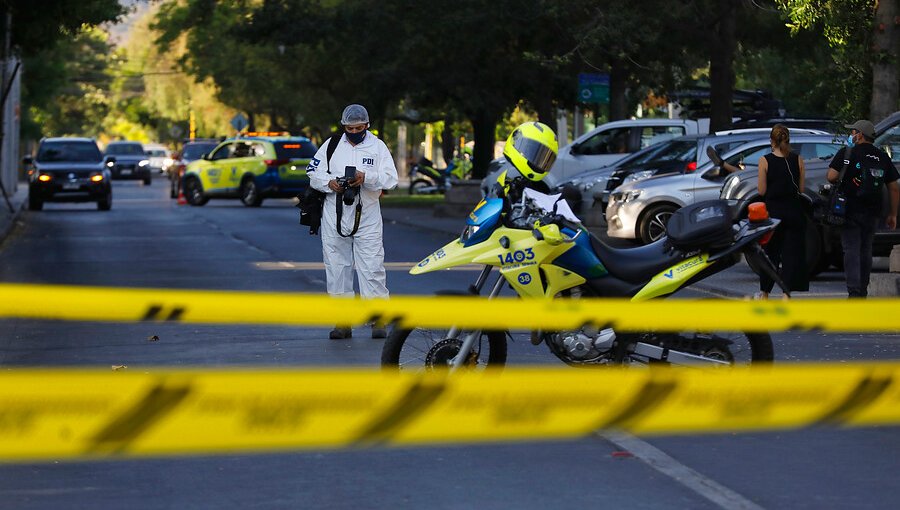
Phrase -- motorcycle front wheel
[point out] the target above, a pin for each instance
(426, 349)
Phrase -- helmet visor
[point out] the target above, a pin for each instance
(540, 157)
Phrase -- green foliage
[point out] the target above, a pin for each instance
(846, 25)
(39, 26)
(64, 88)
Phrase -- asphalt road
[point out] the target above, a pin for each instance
(149, 241)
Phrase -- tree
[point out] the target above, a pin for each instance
(63, 76)
(865, 38)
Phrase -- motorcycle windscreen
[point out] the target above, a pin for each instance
(481, 221)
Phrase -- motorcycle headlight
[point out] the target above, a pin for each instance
(626, 196)
(468, 232)
(730, 186)
(144, 162)
(639, 176)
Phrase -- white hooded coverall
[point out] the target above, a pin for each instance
(365, 249)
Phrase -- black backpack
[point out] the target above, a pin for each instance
(312, 200)
(870, 181)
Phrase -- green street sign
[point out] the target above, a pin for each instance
(593, 88)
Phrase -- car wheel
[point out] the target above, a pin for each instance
(34, 203)
(193, 191)
(105, 203)
(652, 226)
(250, 193)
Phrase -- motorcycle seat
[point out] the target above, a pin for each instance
(636, 265)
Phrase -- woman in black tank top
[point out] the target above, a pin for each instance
(781, 175)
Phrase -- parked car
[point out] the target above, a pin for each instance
(688, 153)
(159, 155)
(820, 123)
(250, 168)
(640, 210)
(824, 246)
(680, 155)
(68, 170)
(192, 150)
(604, 145)
(131, 162)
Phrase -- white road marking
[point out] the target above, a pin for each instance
(660, 461)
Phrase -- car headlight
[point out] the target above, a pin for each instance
(639, 176)
(44, 177)
(144, 162)
(730, 186)
(626, 196)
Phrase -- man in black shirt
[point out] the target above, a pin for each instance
(869, 170)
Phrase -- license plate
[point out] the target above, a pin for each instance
(125, 171)
(71, 185)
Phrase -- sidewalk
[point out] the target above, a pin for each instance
(736, 282)
(8, 219)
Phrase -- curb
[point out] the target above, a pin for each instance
(8, 223)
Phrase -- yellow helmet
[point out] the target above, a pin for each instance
(532, 149)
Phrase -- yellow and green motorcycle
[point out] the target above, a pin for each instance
(541, 254)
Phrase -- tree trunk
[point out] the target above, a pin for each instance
(885, 60)
(484, 124)
(448, 143)
(617, 87)
(721, 66)
(251, 121)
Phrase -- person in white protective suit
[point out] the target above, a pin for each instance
(359, 243)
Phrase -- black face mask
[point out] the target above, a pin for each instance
(356, 138)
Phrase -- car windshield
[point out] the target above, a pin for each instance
(193, 151)
(156, 153)
(69, 151)
(295, 150)
(125, 149)
(676, 150)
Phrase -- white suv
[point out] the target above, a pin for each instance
(640, 210)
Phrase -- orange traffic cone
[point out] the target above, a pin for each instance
(181, 199)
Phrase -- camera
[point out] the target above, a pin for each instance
(350, 192)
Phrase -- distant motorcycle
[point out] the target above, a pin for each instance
(425, 179)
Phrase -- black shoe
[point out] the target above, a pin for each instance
(339, 333)
(714, 156)
(379, 332)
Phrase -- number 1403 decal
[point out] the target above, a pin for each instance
(516, 256)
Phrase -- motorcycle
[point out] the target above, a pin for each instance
(544, 254)
(425, 179)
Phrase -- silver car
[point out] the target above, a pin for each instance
(641, 209)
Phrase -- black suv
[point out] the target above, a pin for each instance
(823, 243)
(131, 161)
(68, 170)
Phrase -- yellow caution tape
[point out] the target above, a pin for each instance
(228, 307)
(68, 414)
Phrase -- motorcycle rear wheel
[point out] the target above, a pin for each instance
(425, 349)
(416, 186)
